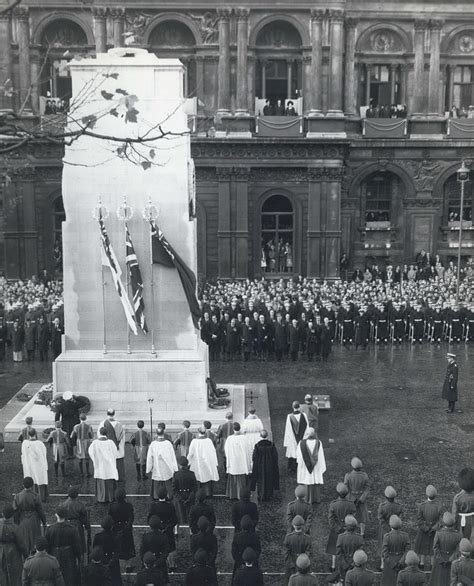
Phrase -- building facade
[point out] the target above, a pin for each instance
(368, 118)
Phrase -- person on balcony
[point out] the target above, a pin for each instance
(279, 109)
(290, 109)
(268, 109)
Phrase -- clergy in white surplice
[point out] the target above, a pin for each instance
(103, 453)
(295, 428)
(161, 463)
(311, 465)
(116, 433)
(35, 463)
(252, 426)
(238, 463)
(202, 459)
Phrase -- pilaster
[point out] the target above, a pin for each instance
(315, 96)
(242, 15)
(22, 16)
(336, 21)
(224, 234)
(434, 79)
(100, 28)
(223, 96)
(118, 19)
(418, 101)
(6, 101)
(350, 91)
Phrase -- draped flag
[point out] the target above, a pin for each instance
(136, 282)
(164, 254)
(110, 260)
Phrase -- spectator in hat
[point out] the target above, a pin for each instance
(184, 487)
(394, 547)
(201, 508)
(411, 575)
(29, 513)
(462, 569)
(206, 540)
(249, 574)
(42, 568)
(301, 507)
(428, 520)
(201, 573)
(450, 386)
(386, 509)
(359, 575)
(338, 511)
(12, 549)
(357, 482)
(150, 575)
(246, 537)
(64, 544)
(96, 573)
(294, 544)
(290, 109)
(303, 575)
(156, 542)
(164, 509)
(445, 546)
(347, 543)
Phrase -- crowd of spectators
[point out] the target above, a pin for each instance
(387, 111)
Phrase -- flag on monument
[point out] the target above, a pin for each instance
(136, 282)
(163, 253)
(110, 260)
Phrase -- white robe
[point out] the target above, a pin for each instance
(103, 454)
(289, 441)
(303, 476)
(251, 427)
(236, 453)
(161, 460)
(202, 459)
(119, 432)
(34, 461)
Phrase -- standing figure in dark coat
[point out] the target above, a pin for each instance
(462, 570)
(246, 537)
(294, 339)
(294, 544)
(206, 540)
(201, 573)
(164, 509)
(30, 339)
(156, 542)
(64, 544)
(96, 573)
(201, 508)
(29, 514)
(42, 569)
(300, 507)
(281, 337)
(311, 410)
(357, 482)
(265, 472)
(67, 411)
(428, 518)
(43, 337)
(123, 516)
(150, 575)
(76, 515)
(386, 509)
(463, 503)
(303, 576)
(12, 550)
(338, 511)
(140, 441)
(359, 575)
(450, 386)
(347, 544)
(395, 545)
(445, 546)
(411, 575)
(325, 340)
(107, 540)
(249, 574)
(18, 338)
(244, 506)
(232, 340)
(57, 332)
(184, 490)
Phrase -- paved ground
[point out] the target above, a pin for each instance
(386, 408)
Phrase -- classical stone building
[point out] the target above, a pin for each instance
(276, 194)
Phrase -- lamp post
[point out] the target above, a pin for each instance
(462, 176)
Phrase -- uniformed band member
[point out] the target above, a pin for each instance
(450, 387)
(462, 569)
(140, 441)
(81, 438)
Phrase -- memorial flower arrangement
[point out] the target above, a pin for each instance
(45, 395)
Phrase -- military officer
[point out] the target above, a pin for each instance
(359, 575)
(450, 387)
(395, 545)
(300, 507)
(347, 544)
(295, 543)
(42, 568)
(411, 575)
(462, 570)
(338, 510)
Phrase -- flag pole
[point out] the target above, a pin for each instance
(98, 213)
(103, 304)
(150, 213)
(127, 287)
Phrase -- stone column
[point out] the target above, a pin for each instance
(100, 29)
(118, 15)
(242, 44)
(241, 177)
(315, 97)
(434, 79)
(313, 264)
(22, 16)
(289, 68)
(307, 82)
(251, 83)
(224, 234)
(332, 221)
(368, 75)
(35, 59)
(404, 83)
(223, 95)
(349, 76)
(263, 65)
(199, 59)
(418, 100)
(393, 75)
(450, 68)
(6, 101)
(336, 62)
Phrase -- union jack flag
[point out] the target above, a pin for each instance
(136, 282)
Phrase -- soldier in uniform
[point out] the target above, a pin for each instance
(303, 575)
(386, 509)
(428, 519)
(445, 545)
(76, 515)
(357, 482)
(450, 386)
(359, 575)
(300, 507)
(42, 568)
(244, 506)
(295, 543)
(63, 543)
(411, 575)
(140, 441)
(81, 437)
(347, 544)
(184, 487)
(338, 511)
(30, 514)
(395, 545)
(244, 538)
(12, 549)
(462, 569)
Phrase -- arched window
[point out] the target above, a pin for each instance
(452, 199)
(378, 192)
(59, 216)
(277, 229)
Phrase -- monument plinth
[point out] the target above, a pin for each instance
(126, 94)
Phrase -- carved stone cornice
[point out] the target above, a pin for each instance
(421, 24)
(278, 174)
(436, 24)
(424, 202)
(51, 174)
(5, 17)
(242, 14)
(26, 173)
(224, 173)
(318, 14)
(224, 14)
(117, 13)
(205, 174)
(249, 151)
(240, 173)
(99, 12)
(351, 23)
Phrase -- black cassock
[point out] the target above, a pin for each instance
(265, 473)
